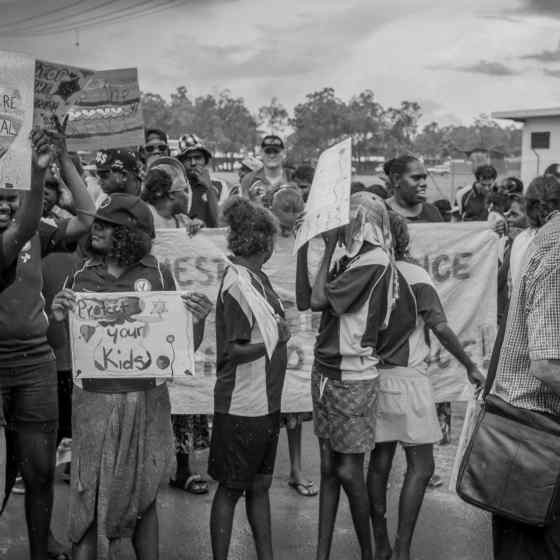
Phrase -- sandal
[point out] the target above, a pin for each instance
(307, 489)
(195, 484)
(57, 551)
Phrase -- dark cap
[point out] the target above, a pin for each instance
(107, 160)
(124, 209)
(272, 141)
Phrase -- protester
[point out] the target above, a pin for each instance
(528, 370)
(28, 377)
(408, 179)
(356, 300)
(473, 200)
(512, 185)
(248, 165)
(156, 145)
(553, 170)
(205, 194)
(258, 184)
(303, 178)
(286, 203)
(168, 204)
(406, 413)
(249, 380)
(118, 172)
(122, 437)
(445, 209)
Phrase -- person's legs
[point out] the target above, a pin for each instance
(37, 452)
(328, 499)
(349, 468)
(257, 505)
(221, 520)
(146, 535)
(420, 467)
(86, 549)
(381, 460)
(294, 447)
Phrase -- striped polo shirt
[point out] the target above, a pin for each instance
(414, 350)
(351, 327)
(255, 388)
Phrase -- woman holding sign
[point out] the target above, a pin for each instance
(122, 436)
(251, 347)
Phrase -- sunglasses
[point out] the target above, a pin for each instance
(161, 148)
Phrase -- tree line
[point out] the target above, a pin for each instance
(227, 125)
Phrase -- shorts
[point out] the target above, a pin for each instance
(406, 411)
(344, 412)
(30, 397)
(243, 448)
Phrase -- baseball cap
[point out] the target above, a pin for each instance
(272, 141)
(123, 209)
(191, 143)
(116, 160)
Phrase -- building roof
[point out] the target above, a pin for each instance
(526, 114)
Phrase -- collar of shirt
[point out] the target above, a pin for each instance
(148, 261)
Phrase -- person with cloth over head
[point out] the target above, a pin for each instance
(356, 297)
(122, 444)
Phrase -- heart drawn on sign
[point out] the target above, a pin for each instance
(87, 332)
(11, 117)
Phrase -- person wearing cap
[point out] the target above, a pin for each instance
(258, 184)
(156, 145)
(118, 171)
(205, 194)
(28, 376)
(122, 435)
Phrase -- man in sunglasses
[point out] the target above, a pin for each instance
(156, 145)
(259, 183)
(118, 172)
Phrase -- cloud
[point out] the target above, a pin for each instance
(486, 67)
(541, 7)
(552, 73)
(545, 56)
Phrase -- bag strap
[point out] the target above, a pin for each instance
(495, 358)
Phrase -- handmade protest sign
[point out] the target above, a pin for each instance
(57, 88)
(107, 113)
(16, 119)
(131, 334)
(328, 205)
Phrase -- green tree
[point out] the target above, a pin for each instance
(365, 116)
(273, 117)
(156, 111)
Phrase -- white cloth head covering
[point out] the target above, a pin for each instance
(369, 222)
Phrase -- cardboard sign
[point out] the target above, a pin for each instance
(328, 205)
(107, 113)
(131, 334)
(16, 119)
(57, 88)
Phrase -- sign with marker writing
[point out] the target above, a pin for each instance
(57, 88)
(328, 205)
(107, 113)
(131, 334)
(16, 119)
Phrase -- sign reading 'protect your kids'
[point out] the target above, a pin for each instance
(131, 334)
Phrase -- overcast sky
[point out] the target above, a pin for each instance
(458, 58)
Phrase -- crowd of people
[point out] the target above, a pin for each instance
(91, 228)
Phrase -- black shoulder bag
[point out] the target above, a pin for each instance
(511, 466)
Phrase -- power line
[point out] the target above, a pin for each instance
(73, 20)
(110, 18)
(47, 13)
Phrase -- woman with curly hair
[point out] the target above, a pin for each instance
(251, 348)
(405, 409)
(122, 437)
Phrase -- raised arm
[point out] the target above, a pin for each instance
(319, 300)
(30, 211)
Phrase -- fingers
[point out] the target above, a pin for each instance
(198, 304)
(41, 140)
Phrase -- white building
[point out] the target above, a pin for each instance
(541, 139)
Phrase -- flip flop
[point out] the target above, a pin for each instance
(195, 484)
(307, 489)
